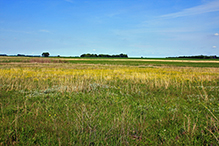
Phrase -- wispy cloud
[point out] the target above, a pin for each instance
(201, 9)
(44, 30)
(116, 13)
(16, 31)
(70, 1)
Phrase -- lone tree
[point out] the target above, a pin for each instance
(45, 54)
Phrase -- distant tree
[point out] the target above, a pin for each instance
(45, 54)
(3, 55)
(83, 55)
(197, 57)
(123, 55)
(105, 55)
(20, 55)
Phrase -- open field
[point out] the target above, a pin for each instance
(150, 60)
(116, 61)
(56, 101)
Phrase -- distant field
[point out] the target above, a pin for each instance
(120, 61)
(75, 101)
(146, 62)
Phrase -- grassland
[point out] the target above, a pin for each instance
(108, 102)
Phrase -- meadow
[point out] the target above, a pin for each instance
(60, 101)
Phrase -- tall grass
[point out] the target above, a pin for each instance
(71, 104)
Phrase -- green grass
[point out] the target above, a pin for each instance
(130, 62)
(116, 112)
(108, 115)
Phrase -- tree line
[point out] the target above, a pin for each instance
(105, 55)
(198, 57)
(44, 54)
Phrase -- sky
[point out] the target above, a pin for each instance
(148, 28)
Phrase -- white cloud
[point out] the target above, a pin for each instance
(214, 47)
(201, 9)
(217, 34)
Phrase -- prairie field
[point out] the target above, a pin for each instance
(61, 101)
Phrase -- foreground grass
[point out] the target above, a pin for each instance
(71, 104)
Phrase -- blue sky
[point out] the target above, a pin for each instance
(149, 28)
